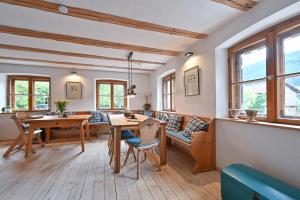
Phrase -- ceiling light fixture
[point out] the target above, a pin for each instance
(189, 54)
(63, 9)
(131, 88)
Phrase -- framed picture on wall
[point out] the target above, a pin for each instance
(73, 90)
(191, 81)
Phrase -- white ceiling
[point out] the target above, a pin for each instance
(203, 16)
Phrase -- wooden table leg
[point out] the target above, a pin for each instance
(163, 145)
(117, 149)
(48, 132)
(12, 146)
(82, 137)
(87, 130)
(29, 142)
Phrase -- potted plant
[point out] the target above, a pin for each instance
(147, 106)
(61, 106)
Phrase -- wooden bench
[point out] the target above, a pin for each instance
(202, 146)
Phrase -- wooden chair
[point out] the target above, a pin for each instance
(146, 142)
(22, 137)
(125, 134)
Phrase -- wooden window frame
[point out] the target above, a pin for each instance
(31, 80)
(112, 83)
(272, 38)
(169, 77)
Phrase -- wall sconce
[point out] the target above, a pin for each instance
(189, 54)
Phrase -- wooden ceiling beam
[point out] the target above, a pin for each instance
(69, 63)
(105, 18)
(85, 41)
(62, 53)
(243, 5)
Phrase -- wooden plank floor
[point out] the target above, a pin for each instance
(60, 172)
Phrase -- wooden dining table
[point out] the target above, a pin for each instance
(54, 121)
(119, 122)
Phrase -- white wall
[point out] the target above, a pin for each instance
(272, 150)
(237, 143)
(60, 76)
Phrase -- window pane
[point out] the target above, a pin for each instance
(167, 87)
(41, 103)
(41, 88)
(253, 64)
(289, 97)
(291, 49)
(21, 102)
(166, 102)
(119, 90)
(104, 102)
(104, 89)
(118, 102)
(21, 87)
(41, 91)
(253, 96)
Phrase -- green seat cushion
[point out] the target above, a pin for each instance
(179, 135)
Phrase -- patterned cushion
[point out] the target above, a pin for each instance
(174, 123)
(164, 117)
(195, 125)
(97, 116)
(104, 117)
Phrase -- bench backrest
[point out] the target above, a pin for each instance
(186, 119)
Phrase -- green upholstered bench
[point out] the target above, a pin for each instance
(240, 182)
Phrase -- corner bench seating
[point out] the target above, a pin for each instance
(201, 146)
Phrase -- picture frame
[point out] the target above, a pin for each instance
(192, 81)
(74, 90)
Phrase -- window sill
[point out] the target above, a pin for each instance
(260, 123)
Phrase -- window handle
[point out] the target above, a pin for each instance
(270, 77)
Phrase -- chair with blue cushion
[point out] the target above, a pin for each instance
(146, 142)
(125, 135)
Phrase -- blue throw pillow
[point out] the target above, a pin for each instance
(96, 116)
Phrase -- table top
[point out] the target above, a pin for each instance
(57, 118)
(120, 120)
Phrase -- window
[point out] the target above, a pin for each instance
(29, 93)
(249, 81)
(264, 73)
(169, 93)
(111, 95)
(288, 76)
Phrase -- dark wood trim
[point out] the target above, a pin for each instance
(242, 5)
(112, 83)
(169, 77)
(62, 53)
(31, 80)
(71, 63)
(85, 41)
(105, 18)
